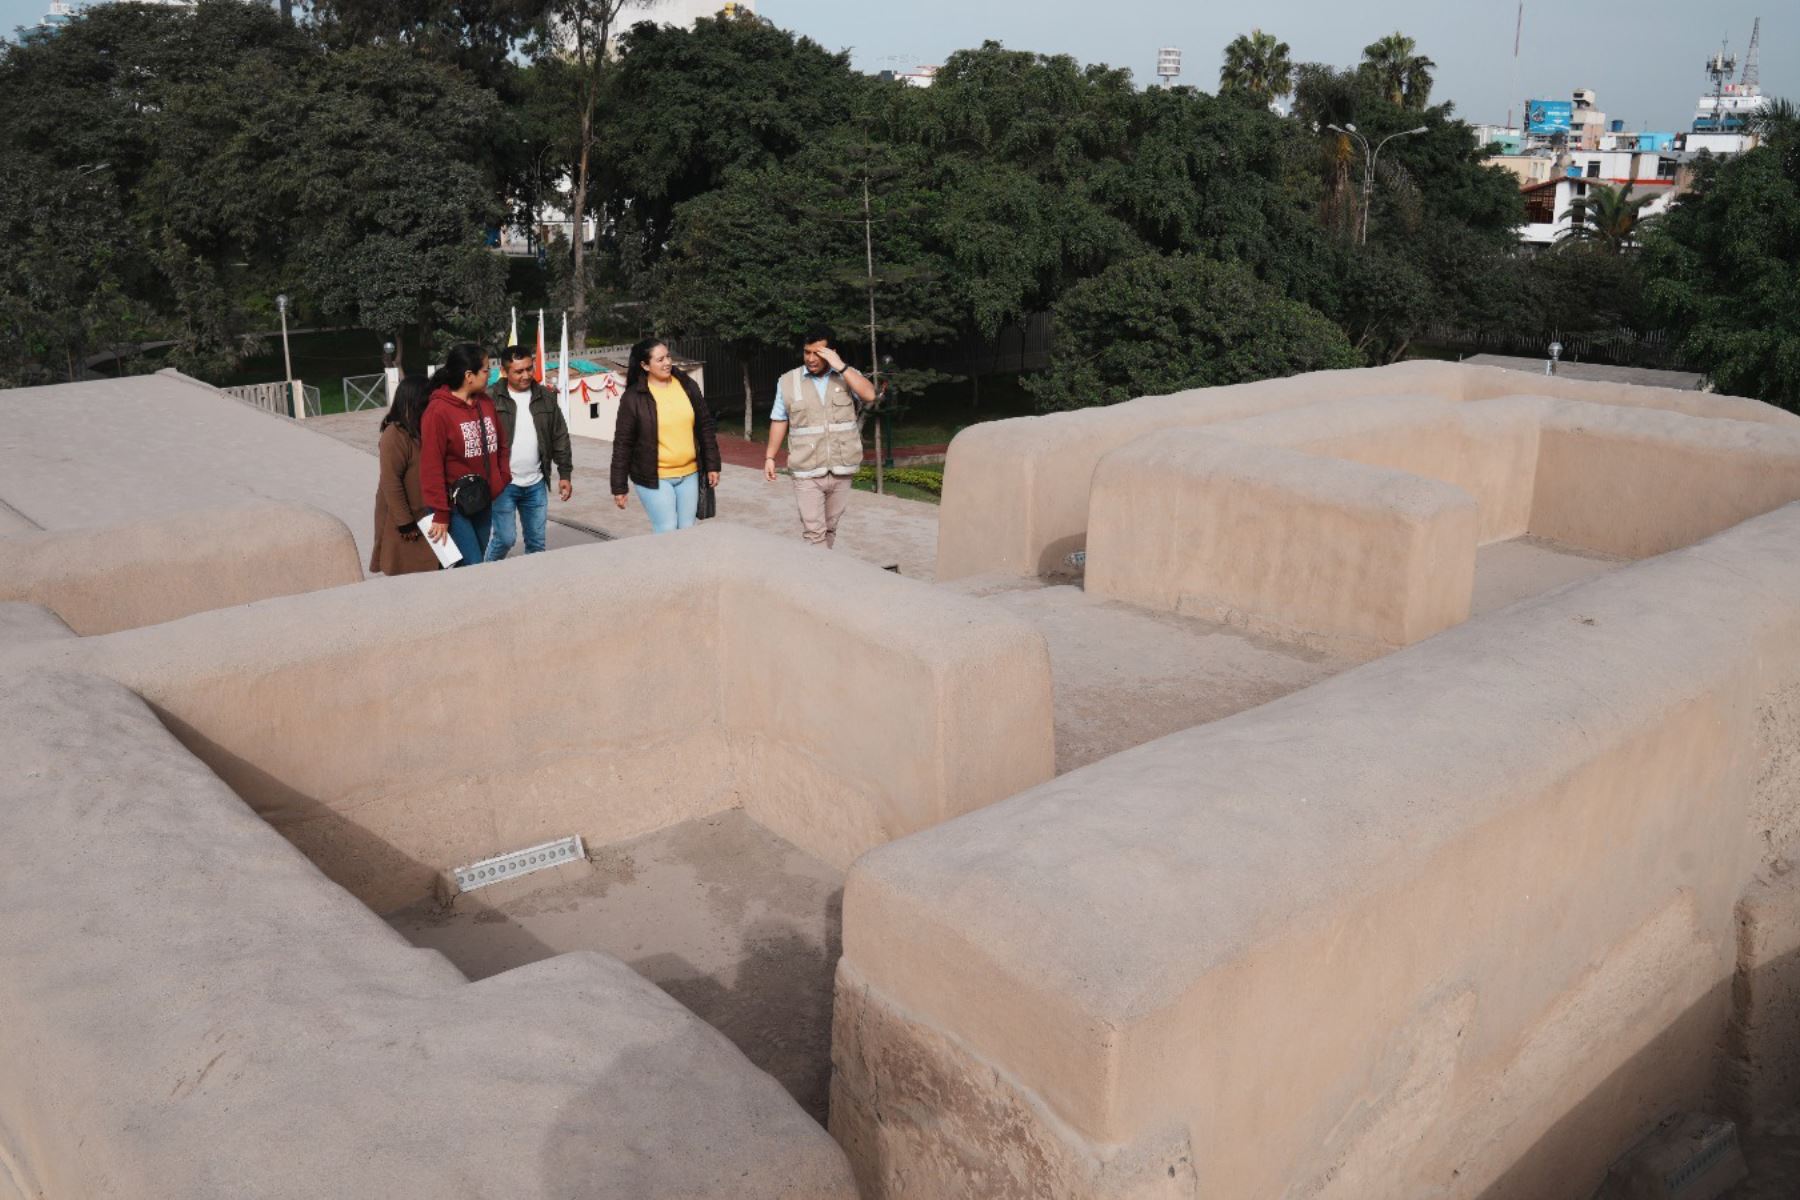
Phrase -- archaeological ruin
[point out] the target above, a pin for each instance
(1365, 784)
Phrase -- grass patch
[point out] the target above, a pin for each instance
(908, 483)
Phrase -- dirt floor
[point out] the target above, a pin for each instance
(734, 922)
(1507, 572)
(1773, 1156)
(1125, 676)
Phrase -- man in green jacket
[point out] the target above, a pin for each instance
(534, 444)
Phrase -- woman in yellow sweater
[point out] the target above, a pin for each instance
(664, 441)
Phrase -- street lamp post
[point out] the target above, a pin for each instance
(287, 359)
(1370, 158)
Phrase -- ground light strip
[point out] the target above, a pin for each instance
(519, 863)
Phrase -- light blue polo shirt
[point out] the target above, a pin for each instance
(779, 412)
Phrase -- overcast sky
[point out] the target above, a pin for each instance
(1644, 58)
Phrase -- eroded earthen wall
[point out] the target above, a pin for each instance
(1461, 922)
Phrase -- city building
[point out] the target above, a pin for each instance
(1568, 147)
(61, 12)
(921, 76)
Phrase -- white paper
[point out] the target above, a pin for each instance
(445, 550)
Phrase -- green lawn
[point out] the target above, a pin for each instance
(320, 359)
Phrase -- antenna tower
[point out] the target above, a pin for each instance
(1719, 69)
(1749, 82)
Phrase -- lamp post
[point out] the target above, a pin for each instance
(287, 359)
(1555, 354)
(390, 368)
(1370, 157)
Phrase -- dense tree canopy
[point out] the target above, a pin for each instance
(1724, 268)
(171, 170)
(1159, 324)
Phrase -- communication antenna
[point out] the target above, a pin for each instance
(1168, 64)
(1719, 68)
(1749, 83)
(1518, 33)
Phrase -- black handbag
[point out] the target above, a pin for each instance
(471, 494)
(708, 507)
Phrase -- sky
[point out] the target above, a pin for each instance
(1643, 59)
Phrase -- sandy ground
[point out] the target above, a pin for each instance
(884, 530)
(1773, 1156)
(734, 922)
(1507, 572)
(1124, 676)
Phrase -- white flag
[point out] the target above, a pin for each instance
(562, 374)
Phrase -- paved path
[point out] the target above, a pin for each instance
(884, 530)
(1687, 381)
(741, 451)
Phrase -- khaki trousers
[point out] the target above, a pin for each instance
(822, 503)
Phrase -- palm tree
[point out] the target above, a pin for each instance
(1607, 218)
(1403, 73)
(1777, 126)
(1324, 97)
(1256, 65)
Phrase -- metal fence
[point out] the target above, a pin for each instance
(1656, 349)
(278, 398)
(365, 391)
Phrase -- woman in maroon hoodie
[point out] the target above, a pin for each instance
(463, 461)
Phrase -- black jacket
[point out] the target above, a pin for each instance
(552, 430)
(634, 438)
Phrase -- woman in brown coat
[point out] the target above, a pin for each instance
(400, 548)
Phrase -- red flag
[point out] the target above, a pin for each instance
(538, 371)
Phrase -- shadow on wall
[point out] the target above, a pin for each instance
(342, 849)
(1679, 1064)
(1690, 1065)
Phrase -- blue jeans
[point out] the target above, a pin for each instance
(673, 505)
(531, 503)
(471, 534)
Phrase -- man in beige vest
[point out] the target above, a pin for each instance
(818, 407)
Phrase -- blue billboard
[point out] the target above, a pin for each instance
(1549, 116)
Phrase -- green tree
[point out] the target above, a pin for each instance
(581, 32)
(477, 35)
(1723, 268)
(1257, 66)
(1609, 218)
(730, 93)
(1403, 74)
(780, 249)
(1160, 324)
(92, 101)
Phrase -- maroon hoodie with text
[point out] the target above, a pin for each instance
(450, 446)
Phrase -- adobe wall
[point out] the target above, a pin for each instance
(396, 729)
(1460, 922)
(116, 451)
(1333, 554)
(148, 572)
(1636, 483)
(1217, 523)
(1016, 492)
(193, 1012)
